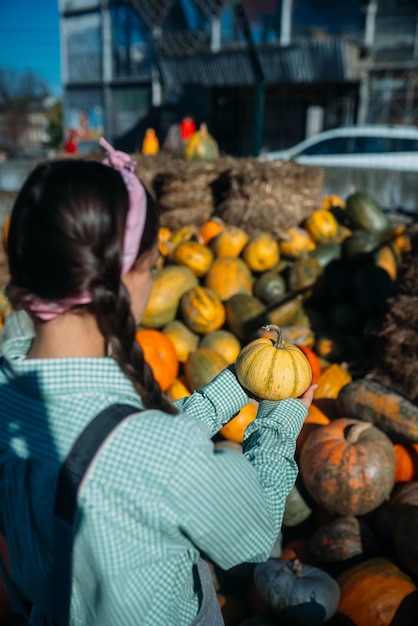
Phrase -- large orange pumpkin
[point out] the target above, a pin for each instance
(160, 355)
(348, 466)
(377, 593)
(235, 429)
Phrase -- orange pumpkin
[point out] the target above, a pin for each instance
(406, 462)
(6, 228)
(235, 429)
(314, 362)
(210, 229)
(202, 310)
(377, 593)
(228, 276)
(177, 390)
(331, 381)
(348, 466)
(315, 419)
(160, 355)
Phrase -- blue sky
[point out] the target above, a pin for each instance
(29, 38)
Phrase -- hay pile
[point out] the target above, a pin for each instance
(272, 195)
(395, 357)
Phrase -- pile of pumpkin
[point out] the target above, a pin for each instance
(346, 554)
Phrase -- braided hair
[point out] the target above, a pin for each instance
(66, 238)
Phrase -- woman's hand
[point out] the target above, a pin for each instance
(307, 397)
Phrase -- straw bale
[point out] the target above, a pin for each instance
(270, 195)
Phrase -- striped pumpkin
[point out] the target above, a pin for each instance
(202, 310)
(273, 370)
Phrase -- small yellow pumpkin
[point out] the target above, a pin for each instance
(177, 390)
(262, 252)
(273, 370)
(388, 258)
(298, 243)
(322, 226)
(194, 255)
(230, 242)
(184, 340)
(202, 310)
(331, 201)
(224, 342)
(185, 233)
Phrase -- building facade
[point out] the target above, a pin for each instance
(288, 68)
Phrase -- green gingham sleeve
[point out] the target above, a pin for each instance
(217, 403)
(240, 495)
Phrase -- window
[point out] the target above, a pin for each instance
(84, 48)
(407, 145)
(372, 145)
(131, 44)
(336, 145)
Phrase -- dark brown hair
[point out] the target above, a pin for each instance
(66, 238)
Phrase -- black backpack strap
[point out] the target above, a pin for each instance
(70, 478)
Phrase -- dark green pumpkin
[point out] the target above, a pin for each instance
(324, 253)
(372, 286)
(359, 243)
(343, 539)
(269, 286)
(244, 314)
(303, 273)
(367, 214)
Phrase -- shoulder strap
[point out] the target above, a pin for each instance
(70, 478)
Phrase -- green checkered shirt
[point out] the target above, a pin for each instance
(156, 495)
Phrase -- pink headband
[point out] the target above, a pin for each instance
(134, 228)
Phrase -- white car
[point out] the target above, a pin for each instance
(381, 160)
(374, 146)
